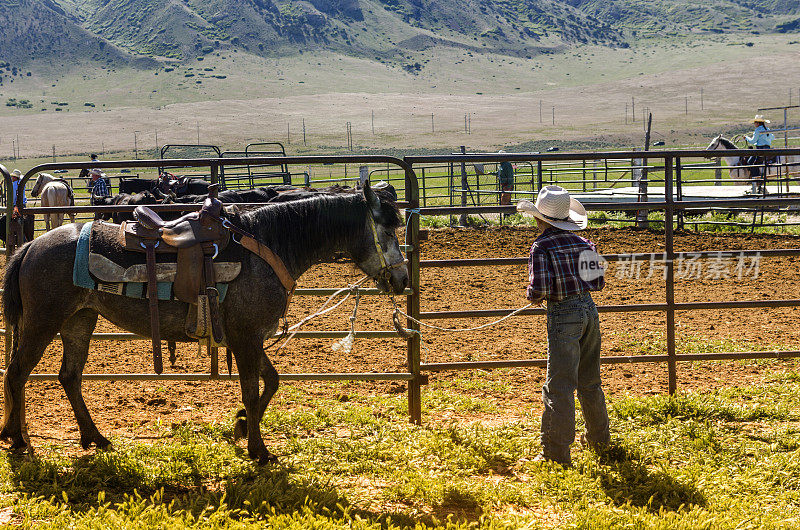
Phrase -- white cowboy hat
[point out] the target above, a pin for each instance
(96, 171)
(16, 173)
(760, 119)
(555, 207)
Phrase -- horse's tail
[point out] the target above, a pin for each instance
(12, 298)
(12, 311)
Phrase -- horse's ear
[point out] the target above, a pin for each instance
(373, 201)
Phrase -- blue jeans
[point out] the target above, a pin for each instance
(573, 363)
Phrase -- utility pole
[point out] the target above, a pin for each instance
(135, 145)
(554, 115)
(288, 138)
(433, 129)
(686, 106)
(540, 111)
(633, 109)
(626, 113)
(54, 153)
(373, 123)
(304, 131)
(198, 133)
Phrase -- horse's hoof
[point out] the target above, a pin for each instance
(19, 445)
(240, 426)
(100, 441)
(265, 458)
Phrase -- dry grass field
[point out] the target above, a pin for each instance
(256, 101)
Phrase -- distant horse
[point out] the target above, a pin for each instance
(54, 192)
(41, 300)
(782, 166)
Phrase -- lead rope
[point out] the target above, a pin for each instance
(351, 289)
(346, 343)
(407, 333)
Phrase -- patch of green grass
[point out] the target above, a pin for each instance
(723, 459)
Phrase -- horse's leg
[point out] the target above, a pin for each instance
(249, 362)
(270, 377)
(76, 333)
(47, 222)
(32, 338)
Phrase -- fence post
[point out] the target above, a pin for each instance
(679, 190)
(670, 273)
(413, 302)
(584, 174)
(9, 214)
(462, 220)
(718, 172)
(213, 351)
(538, 176)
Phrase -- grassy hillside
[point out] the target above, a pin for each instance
(121, 32)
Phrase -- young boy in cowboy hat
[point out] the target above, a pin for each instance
(563, 268)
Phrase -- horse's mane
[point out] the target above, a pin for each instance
(305, 230)
(727, 144)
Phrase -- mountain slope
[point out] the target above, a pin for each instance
(391, 31)
(41, 30)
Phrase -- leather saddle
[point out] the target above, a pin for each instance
(196, 238)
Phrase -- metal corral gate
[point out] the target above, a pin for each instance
(215, 165)
(671, 164)
(416, 372)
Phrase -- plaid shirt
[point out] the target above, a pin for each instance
(553, 266)
(99, 188)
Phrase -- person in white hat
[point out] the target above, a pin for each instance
(563, 269)
(97, 183)
(762, 137)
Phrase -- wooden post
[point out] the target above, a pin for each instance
(304, 131)
(718, 172)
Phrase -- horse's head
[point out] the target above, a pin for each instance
(377, 253)
(41, 180)
(715, 144)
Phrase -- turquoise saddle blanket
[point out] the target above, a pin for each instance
(81, 276)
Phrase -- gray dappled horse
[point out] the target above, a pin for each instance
(40, 300)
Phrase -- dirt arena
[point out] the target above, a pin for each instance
(132, 409)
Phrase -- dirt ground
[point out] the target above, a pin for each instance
(132, 409)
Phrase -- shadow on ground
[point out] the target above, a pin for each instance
(626, 480)
(255, 490)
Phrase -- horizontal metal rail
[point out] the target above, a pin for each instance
(363, 334)
(628, 359)
(627, 308)
(636, 256)
(368, 376)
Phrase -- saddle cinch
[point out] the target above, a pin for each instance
(196, 238)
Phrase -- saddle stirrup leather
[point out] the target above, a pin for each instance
(152, 296)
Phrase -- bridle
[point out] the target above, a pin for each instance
(385, 272)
